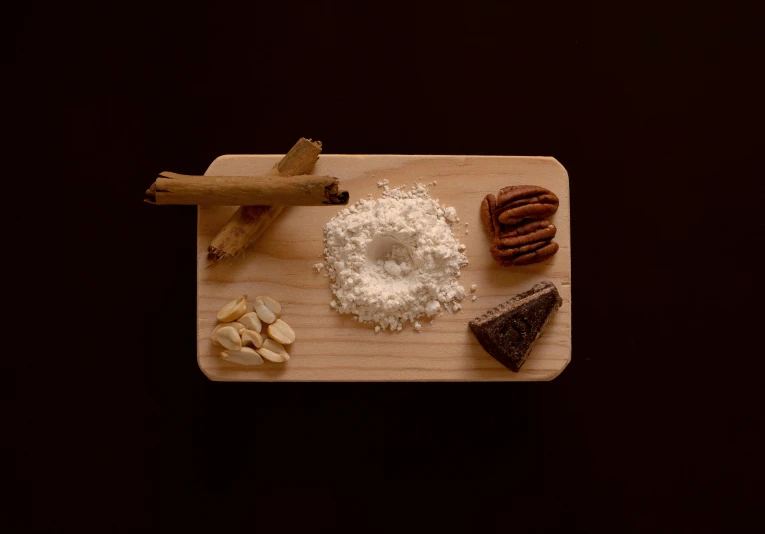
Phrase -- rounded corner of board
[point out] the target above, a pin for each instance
(557, 372)
(560, 166)
(218, 160)
(208, 375)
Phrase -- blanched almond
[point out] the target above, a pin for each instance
(228, 337)
(237, 326)
(267, 309)
(281, 332)
(272, 305)
(273, 351)
(251, 321)
(233, 310)
(243, 356)
(252, 337)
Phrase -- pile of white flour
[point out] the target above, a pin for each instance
(394, 259)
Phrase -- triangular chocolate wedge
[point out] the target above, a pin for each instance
(508, 331)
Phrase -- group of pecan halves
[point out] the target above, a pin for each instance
(518, 220)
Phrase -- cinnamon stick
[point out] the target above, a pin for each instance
(250, 222)
(304, 190)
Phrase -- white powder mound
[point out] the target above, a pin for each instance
(394, 259)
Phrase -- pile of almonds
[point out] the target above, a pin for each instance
(518, 220)
(238, 328)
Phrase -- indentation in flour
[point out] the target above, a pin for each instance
(394, 259)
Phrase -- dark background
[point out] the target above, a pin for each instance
(656, 425)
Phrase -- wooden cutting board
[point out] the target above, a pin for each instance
(331, 347)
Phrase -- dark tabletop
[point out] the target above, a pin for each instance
(656, 425)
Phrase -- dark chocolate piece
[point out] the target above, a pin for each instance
(508, 332)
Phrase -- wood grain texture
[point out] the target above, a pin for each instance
(331, 347)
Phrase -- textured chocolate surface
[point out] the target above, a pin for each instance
(508, 332)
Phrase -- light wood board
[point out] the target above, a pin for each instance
(332, 347)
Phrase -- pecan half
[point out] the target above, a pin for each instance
(528, 232)
(488, 206)
(500, 252)
(527, 254)
(518, 202)
(537, 255)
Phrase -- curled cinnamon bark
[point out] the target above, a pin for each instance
(305, 190)
(249, 222)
